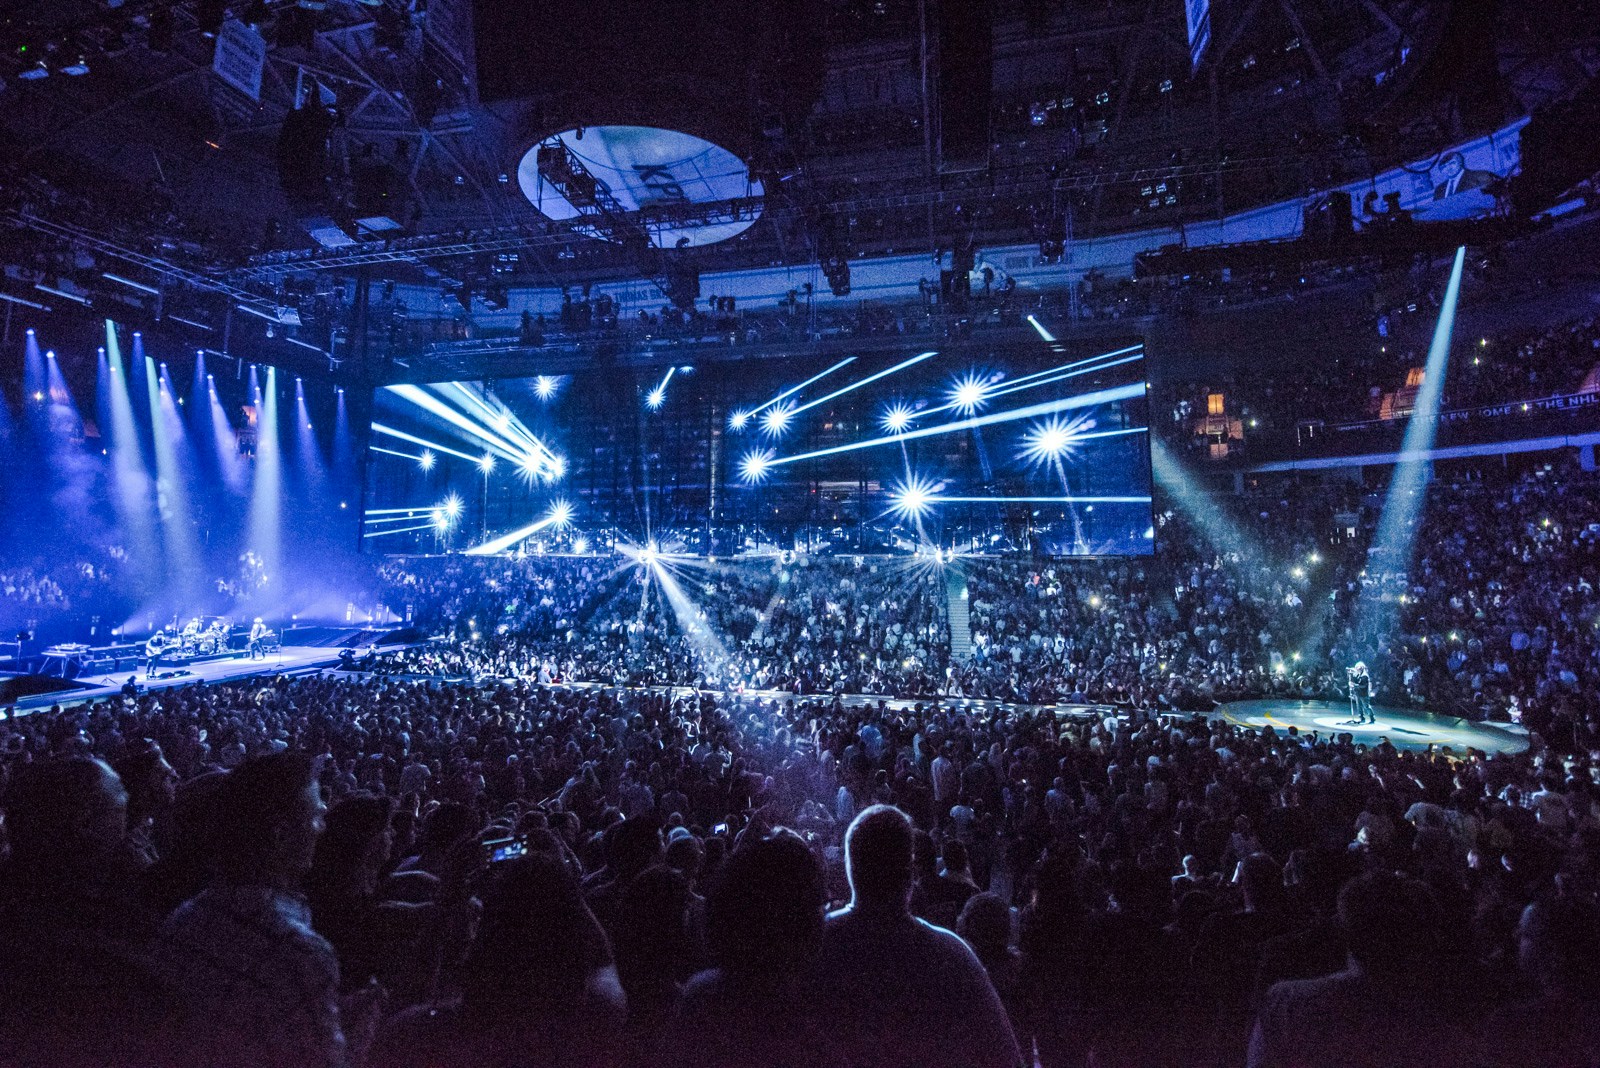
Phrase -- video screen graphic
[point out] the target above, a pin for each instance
(1031, 449)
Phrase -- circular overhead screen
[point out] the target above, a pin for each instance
(679, 187)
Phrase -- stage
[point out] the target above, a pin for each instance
(1402, 728)
(295, 659)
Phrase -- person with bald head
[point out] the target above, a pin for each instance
(900, 990)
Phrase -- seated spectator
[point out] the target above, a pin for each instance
(1399, 1002)
(1052, 939)
(901, 990)
(152, 788)
(1558, 942)
(756, 1007)
(376, 939)
(657, 953)
(631, 846)
(76, 986)
(538, 987)
(985, 922)
(258, 985)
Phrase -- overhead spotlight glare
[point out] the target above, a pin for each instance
(912, 499)
(897, 418)
(755, 466)
(738, 420)
(544, 387)
(776, 421)
(656, 399)
(969, 394)
(1050, 441)
(426, 460)
(486, 463)
(560, 513)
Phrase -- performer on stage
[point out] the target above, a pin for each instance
(258, 640)
(154, 650)
(216, 636)
(1360, 694)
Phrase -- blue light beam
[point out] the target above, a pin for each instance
(1085, 400)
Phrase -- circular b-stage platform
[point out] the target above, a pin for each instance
(1403, 728)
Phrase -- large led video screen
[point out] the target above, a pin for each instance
(1035, 449)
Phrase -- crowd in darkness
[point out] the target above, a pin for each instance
(1266, 593)
(300, 872)
(1527, 366)
(612, 844)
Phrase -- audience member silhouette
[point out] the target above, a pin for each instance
(901, 991)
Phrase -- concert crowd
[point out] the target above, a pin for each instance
(1265, 595)
(375, 868)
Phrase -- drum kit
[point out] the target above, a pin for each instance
(192, 641)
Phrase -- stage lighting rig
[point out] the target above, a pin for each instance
(1049, 229)
(209, 14)
(831, 235)
(496, 297)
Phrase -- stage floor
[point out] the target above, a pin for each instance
(291, 658)
(1403, 728)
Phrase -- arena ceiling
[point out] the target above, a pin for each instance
(172, 129)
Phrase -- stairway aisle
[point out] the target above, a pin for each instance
(955, 581)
